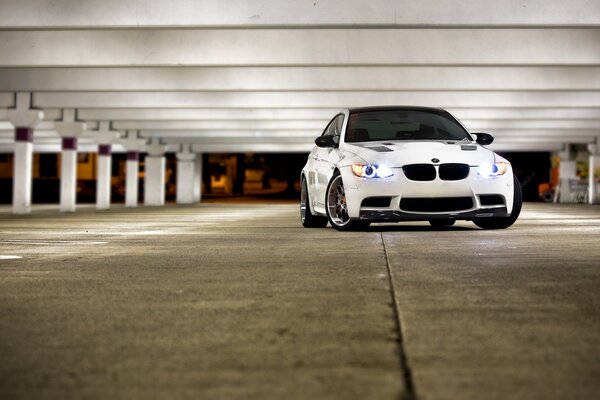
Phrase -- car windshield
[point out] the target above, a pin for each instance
(370, 126)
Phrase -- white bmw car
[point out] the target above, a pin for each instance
(390, 164)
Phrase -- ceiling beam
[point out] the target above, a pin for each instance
(192, 114)
(295, 47)
(299, 78)
(311, 125)
(539, 125)
(525, 113)
(326, 99)
(268, 13)
(592, 124)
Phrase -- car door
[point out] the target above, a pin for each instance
(326, 160)
(318, 179)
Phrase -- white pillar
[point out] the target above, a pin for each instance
(593, 164)
(69, 130)
(23, 160)
(567, 171)
(186, 176)
(132, 144)
(24, 120)
(154, 174)
(68, 175)
(103, 177)
(104, 137)
(198, 179)
(131, 179)
(154, 180)
(592, 183)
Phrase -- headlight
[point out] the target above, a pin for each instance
(493, 169)
(371, 171)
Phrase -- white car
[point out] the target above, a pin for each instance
(390, 164)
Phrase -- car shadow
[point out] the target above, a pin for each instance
(418, 228)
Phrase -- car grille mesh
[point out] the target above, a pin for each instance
(427, 172)
(419, 172)
(453, 172)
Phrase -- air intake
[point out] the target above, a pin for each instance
(376, 202)
(439, 204)
(491, 200)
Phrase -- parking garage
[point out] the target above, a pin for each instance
(150, 242)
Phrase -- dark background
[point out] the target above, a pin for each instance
(281, 172)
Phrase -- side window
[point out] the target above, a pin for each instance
(330, 129)
(337, 128)
(339, 121)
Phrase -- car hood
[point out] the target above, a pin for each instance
(398, 153)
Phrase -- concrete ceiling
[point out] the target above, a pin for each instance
(267, 75)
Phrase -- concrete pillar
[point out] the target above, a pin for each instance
(23, 163)
(154, 176)
(198, 179)
(593, 164)
(133, 145)
(68, 175)
(567, 171)
(103, 175)
(104, 137)
(186, 176)
(154, 181)
(69, 130)
(131, 178)
(24, 120)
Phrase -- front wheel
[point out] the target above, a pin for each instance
(337, 207)
(306, 217)
(504, 222)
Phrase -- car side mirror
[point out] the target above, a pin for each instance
(484, 139)
(325, 141)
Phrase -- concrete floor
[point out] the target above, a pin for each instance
(239, 301)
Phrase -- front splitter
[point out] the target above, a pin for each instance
(397, 215)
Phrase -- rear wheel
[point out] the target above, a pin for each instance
(306, 217)
(442, 223)
(337, 208)
(504, 222)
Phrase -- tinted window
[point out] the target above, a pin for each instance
(403, 125)
(335, 128)
(339, 121)
(330, 128)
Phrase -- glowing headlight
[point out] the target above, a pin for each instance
(371, 171)
(493, 169)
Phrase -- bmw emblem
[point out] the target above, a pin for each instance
(435, 160)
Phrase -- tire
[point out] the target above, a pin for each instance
(307, 218)
(547, 196)
(442, 223)
(504, 222)
(336, 207)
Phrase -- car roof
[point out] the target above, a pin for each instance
(397, 108)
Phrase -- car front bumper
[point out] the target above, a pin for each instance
(398, 187)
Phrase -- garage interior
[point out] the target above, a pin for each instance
(150, 243)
